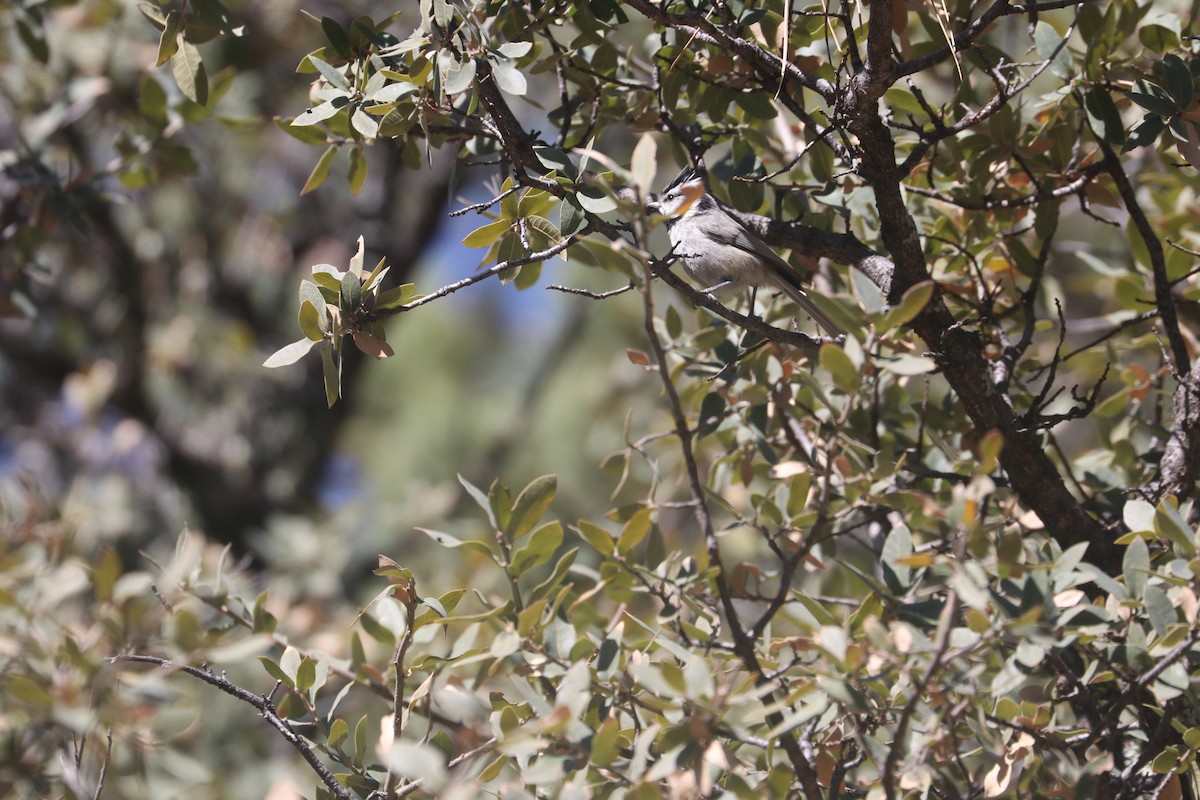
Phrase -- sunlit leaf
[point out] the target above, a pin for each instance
(290, 354)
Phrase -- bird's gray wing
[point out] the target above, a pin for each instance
(729, 230)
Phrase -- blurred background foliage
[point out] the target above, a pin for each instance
(150, 249)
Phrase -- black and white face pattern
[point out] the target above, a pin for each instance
(681, 200)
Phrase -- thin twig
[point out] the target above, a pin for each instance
(743, 643)
(398, 696)
(263, 707)
(590, 294)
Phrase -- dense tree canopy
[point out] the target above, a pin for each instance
(952, 553)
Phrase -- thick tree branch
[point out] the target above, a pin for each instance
(1180, 464)
(958, 351)
(841, 248)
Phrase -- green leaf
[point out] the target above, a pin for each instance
(595, 200)
(1136, 567)
(912, 304)
(897, 546)
(435, 605)
(530, 505)
(1138, 515)
(321, 170)
(189, 73)
(334, 76)
(1170, 524)
(1153, 98)
(480, 499)
(1160, 31)
(275, 671)
(364, 123)
(487, 235)
(570, 217)
(634, 531)
(1047, 40)
(356, 173)
(351, 294)
(355, 267)
(451, 542)
(557, 160)
(538, 549)
(338, 731)
(337, 37)
(331, 375)
(509, 78)
(556, 577)
(712, 413)
(1146, 133)
(152, 100)
(1171, 683)
(1103, 115)
(34, 40)
(756, 104)
(396, 296)
(835, 361)
(600, 540)
(153, 13)
(644, 164)
(306, 675)
(289, 662)
(457, 76)
(360, 741)
(310, 321)
(217, 16)
(168, 42)
(1179, 80)
(515, 49)
(290, 354)
(545, 228)
(320, 113)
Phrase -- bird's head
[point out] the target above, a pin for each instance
(678, 198)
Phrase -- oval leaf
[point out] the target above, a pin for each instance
(290, 354)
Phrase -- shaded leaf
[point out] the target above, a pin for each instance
(530, 505)
(321, 170)
(189, 73)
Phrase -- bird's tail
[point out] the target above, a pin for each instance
(808, 306)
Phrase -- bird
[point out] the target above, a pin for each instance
(719, 252)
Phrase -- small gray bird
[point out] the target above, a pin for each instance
(719, 251)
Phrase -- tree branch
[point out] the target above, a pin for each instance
(1163, 299)
(1180, 465)
(264, 707)
(743, 643)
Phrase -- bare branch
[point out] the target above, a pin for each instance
(1163, 299)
